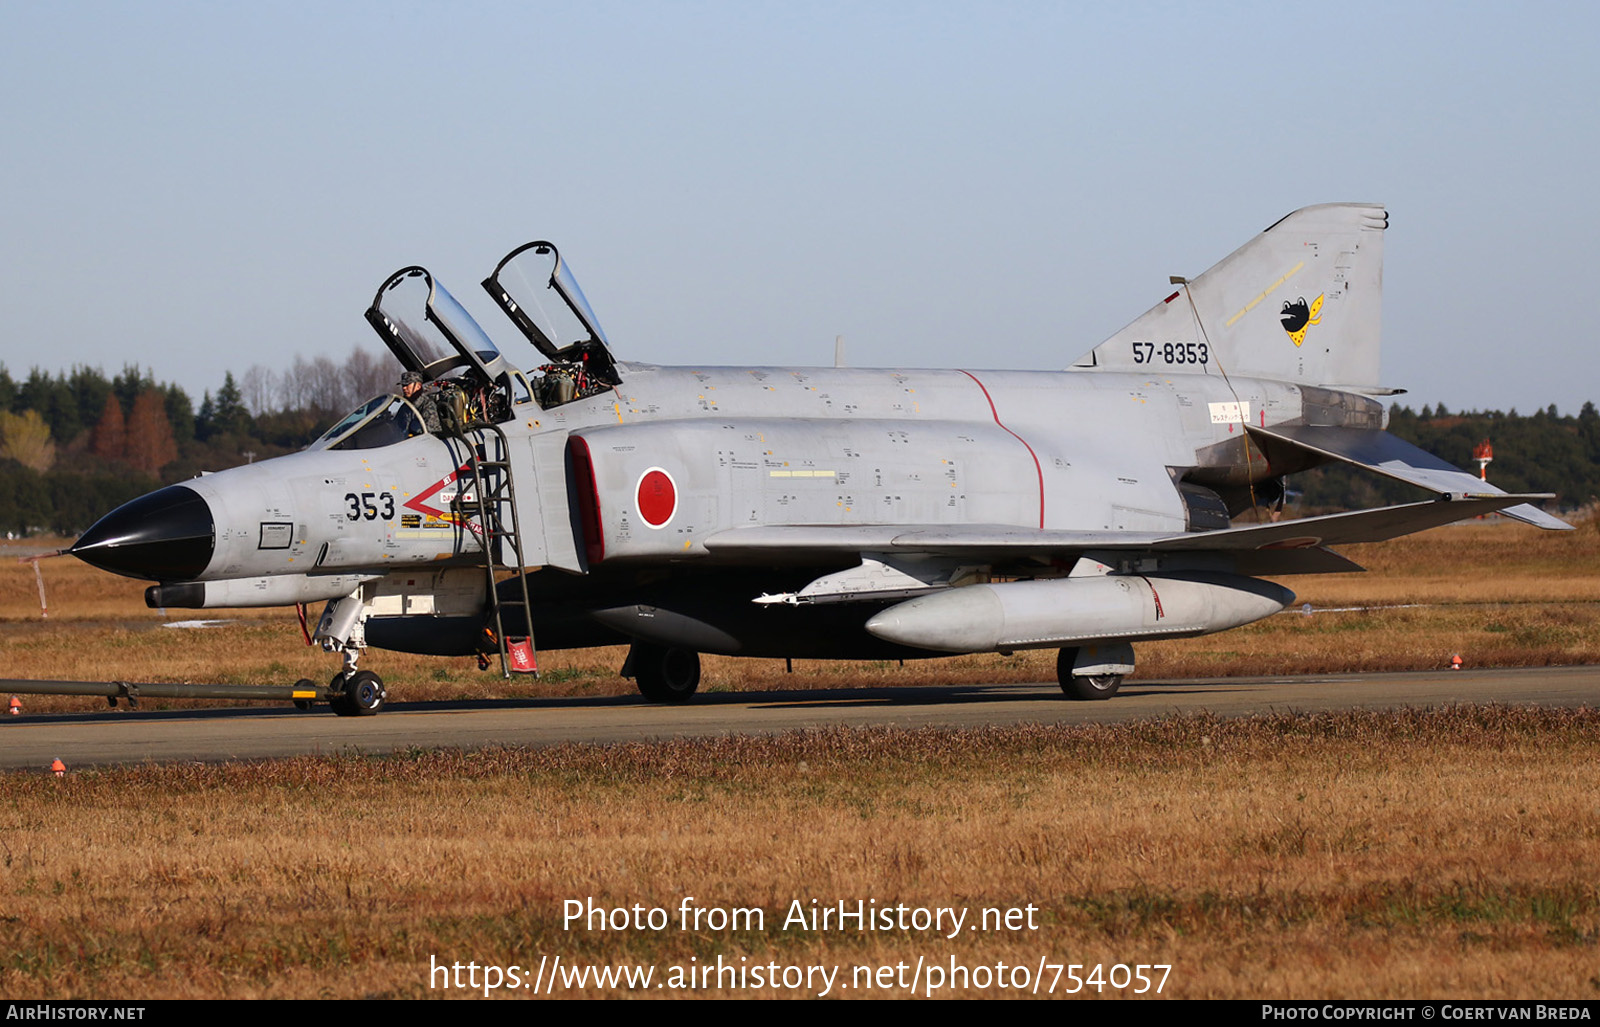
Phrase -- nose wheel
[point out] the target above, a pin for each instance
(357, 695)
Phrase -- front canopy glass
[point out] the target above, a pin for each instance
(380, 421)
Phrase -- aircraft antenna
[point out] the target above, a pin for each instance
(838, 351)
(1238, 405)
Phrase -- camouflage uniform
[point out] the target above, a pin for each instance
(428, 406)
(426, 401)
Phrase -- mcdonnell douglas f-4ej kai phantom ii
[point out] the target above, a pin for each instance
(816, 512)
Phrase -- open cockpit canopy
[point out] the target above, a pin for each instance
(540, 295)
(431, 333)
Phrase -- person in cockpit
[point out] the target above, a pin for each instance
(424, 400)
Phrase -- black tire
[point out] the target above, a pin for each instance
(361, 695)
(1089, 689)
(664, 673)
(1064, 660)
(1086, 689)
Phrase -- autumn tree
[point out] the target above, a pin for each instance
(150, 445)
(110, 439)
(131, 382)
(25, 438)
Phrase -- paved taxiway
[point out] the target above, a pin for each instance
(122, 736)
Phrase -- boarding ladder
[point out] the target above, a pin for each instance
(500, 533)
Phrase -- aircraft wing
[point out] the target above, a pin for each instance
(999, 540)
(1393, 457)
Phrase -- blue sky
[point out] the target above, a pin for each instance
(199, 187)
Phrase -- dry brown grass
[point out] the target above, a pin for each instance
(1498, 593)
(1419, 854)
(1434, 853)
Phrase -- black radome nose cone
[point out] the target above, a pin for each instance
(168, 535)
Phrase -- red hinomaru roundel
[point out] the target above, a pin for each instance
(657, 495)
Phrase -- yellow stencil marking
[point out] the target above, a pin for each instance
(1267, 292)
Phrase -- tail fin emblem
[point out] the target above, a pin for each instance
(1297, 317)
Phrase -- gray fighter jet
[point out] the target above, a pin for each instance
(816, 512)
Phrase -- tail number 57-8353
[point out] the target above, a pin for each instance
(1171, 353)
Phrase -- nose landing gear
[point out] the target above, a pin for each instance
(357, 695)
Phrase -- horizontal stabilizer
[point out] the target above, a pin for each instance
(1394, 457)
(1378, 525)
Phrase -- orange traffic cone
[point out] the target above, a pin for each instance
(59, 768)
(16, 706)
(1455, 662)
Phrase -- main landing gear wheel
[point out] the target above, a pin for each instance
(1099, 686)
(360, 695)
(665, 674)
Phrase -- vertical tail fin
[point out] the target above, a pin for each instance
(1300, 302)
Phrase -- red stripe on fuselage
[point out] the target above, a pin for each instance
(1036, 467)
(419, 502)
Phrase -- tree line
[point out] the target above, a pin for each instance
(1545, 451)
(77, 444)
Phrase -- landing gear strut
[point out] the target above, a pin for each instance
(664, 674)
(356, 693)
